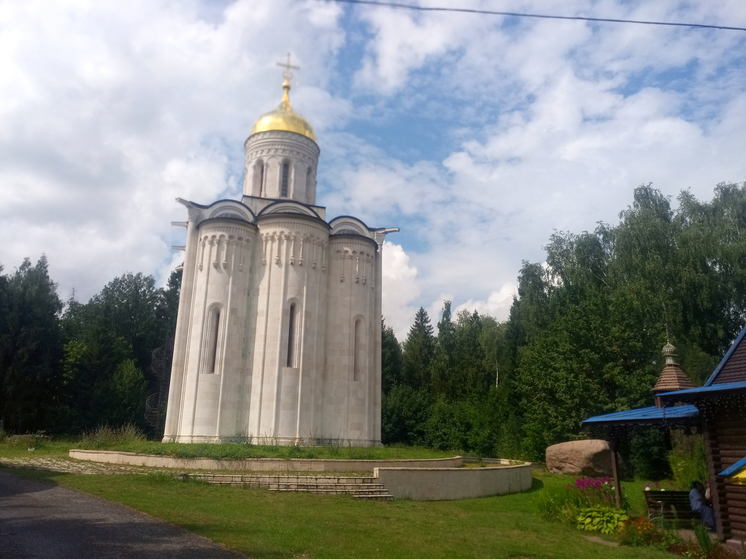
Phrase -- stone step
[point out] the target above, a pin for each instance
(333, 492)
(329, 481)
(347, 490)
(284, 479)
(353, 486)
(360, 487)
(385, 497)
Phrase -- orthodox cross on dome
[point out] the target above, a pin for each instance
(286, 84)
(287, 75)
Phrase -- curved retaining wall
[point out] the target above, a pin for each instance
(262, 464)
(449, 484)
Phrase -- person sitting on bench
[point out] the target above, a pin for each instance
(700, 504)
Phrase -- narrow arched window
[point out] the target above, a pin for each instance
(358, 350)
(211, 336)
(258, 186)
(309, 186)
(292, 319)
(285, 180)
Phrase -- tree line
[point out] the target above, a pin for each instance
(67, 368)
(584, 334)
(583, 337)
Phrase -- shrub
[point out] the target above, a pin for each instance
(606, 520)
(558, 503)
(687, 459)
(404, 415)
(565, 503)
(648, 454)
(3, 433)
(106, 437)
(597, 491)
(703, 539)
(641, 531)
(693, 550)
(37, 439)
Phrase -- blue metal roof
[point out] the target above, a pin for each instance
(724, 360)
(735, 468)
(652, 414)
(704, 390)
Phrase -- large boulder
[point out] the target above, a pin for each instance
(590, 457)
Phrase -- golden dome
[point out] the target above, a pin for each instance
(284, 118)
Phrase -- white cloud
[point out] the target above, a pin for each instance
(497, 304)
(114, 110)
(400, 289)
(577, 132)
(110, 111)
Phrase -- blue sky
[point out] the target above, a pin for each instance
(478, 136)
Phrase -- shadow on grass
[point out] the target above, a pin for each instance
(536, 485)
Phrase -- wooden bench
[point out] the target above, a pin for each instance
(670, 505)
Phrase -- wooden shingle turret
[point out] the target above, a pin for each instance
(671, 377)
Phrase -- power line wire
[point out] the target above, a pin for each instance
(541, 16)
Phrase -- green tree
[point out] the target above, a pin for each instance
(418, 352)
(30, 346)
(391, 359)
(442, 365)
(129, 305)
(124, 394)
(404, 415)
(473, 376)
(106, 341)
(712, 253)
(162, 356)
(585, 333)
(92, 352)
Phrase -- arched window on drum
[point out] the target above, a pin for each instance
(292, 341)
(211, 340)
(284, 179)
(309, 186)
(257, 188)
(359, 350)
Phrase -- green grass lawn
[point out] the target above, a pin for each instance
(263, 524)
(238, 451)
(18, 446)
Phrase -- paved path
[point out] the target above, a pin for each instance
(42, 520)
(69, 465)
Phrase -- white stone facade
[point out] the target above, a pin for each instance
(278, 337)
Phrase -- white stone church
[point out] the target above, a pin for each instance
(278, 339)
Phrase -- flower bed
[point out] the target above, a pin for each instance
(662, 486)
(589, 503)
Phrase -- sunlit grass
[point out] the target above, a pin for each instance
(33, 445)
(19, 446)
(238, 451)
(263, 524)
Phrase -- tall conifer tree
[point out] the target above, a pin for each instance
(419, 349)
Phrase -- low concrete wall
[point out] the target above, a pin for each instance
(450, 484)
(274, 481)
(259, 464)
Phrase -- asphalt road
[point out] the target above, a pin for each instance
(42, 520)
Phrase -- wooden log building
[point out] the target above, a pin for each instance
(719, 410)
(722, 411)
